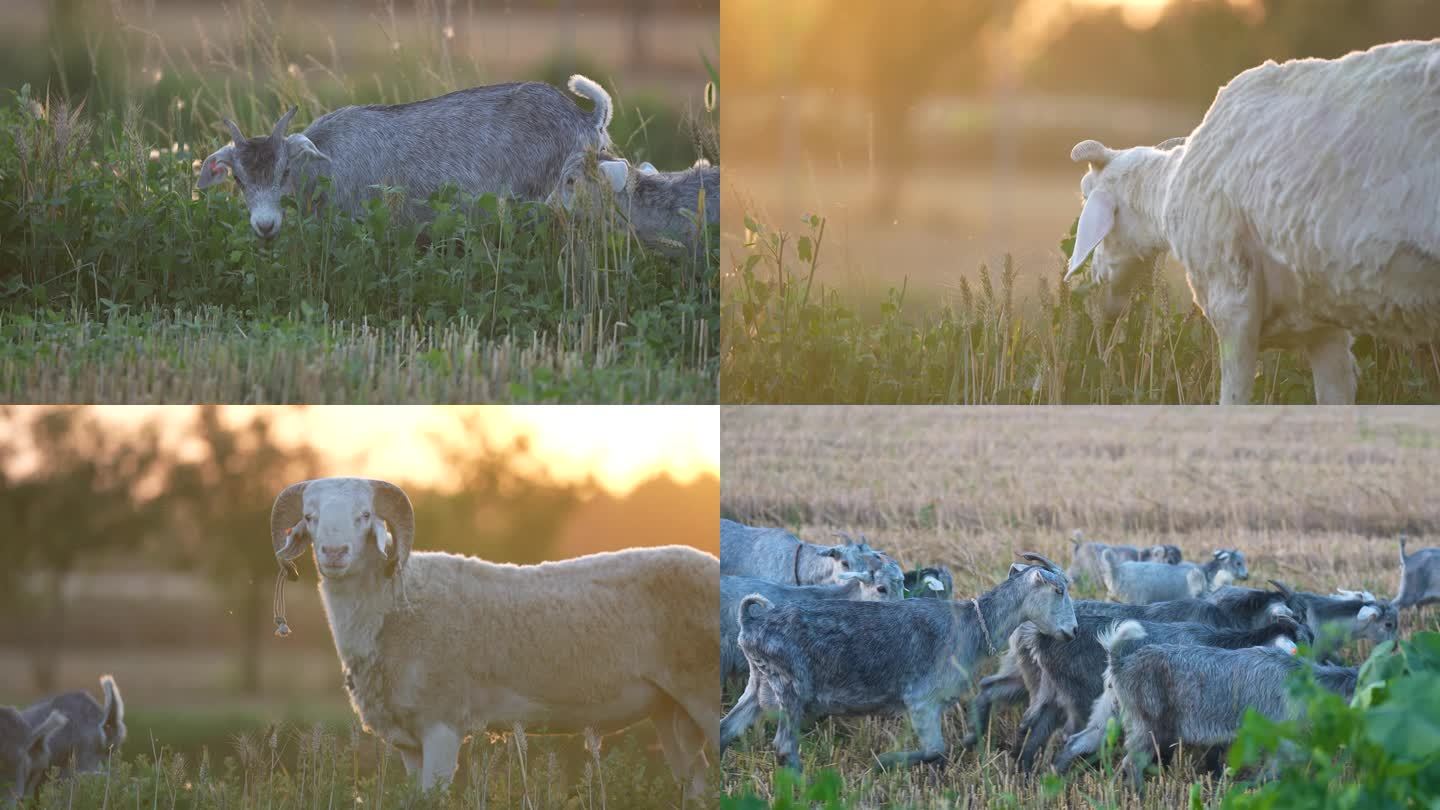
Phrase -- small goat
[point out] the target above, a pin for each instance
(79, 741)
(511, 139)
(1085, 557)
(1145, 582)
(1010, 684)
(1170, 695)
(855, 658)
(666, 209)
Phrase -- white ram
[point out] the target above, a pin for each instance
(1302, 207)
(436, 647)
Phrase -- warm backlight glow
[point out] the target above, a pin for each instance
(619, 446)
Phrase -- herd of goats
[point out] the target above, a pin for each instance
(1179, 655)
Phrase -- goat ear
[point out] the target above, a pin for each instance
(1367, 614)
(297, 539)
(934, 584)
(617, 172)
(298, 145)
(1093, 152)
(647, 168)
(1016, 569)
(384, 543)
(42, 734)
(215, 167)
(1096, 220)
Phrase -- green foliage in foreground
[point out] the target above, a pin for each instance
(326, 765)
(1380, 749)
(788, 338)
(98, 234)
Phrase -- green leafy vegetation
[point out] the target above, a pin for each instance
(1379, 749)
(790, 338)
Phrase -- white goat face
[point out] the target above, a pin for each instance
(1124, 242)
(342, 524)
(24, 753)
(263, 169)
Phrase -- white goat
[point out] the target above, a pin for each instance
(1302, 207)
(436, 646)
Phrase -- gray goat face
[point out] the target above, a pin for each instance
(263, 168)
(1232, 564)
(24, 753)
(341, 522)
(1377, 622)
(1047, 601)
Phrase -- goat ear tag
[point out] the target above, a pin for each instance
(648, 168)
(1096, 220)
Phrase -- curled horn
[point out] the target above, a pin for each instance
(284, 515)
(235, 132)
(288, 544)
(393, 506)
(283, 124)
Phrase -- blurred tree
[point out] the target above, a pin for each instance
(224, 500)
(504, 507)
(893, 55)
(78, 499)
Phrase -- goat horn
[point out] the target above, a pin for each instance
(284, 123)
(235, 133)
(393, 506)
(1043, 562)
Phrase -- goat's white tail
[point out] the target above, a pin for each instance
(604, 108)
(113, 726)
(1113, 638)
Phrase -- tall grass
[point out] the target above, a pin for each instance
(102, 232)
(323, 766)
(788, 338)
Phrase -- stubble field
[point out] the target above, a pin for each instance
(1315, 497)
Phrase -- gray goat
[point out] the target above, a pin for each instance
(512, 139)
(1419, 577)
(1070, 682)
(814, 659)
(80, 743)
(1348, 616)
(1085, 557)
(779, 556)
(855, 585)
(1250, 610)
(666, 209)
(1145, 582)
(1169, 695)
(25, 753)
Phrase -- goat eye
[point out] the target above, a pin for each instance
(845, 565)
(365, 514)
(310, 516)
(883, 590)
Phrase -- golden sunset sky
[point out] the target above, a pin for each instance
(621, 446)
